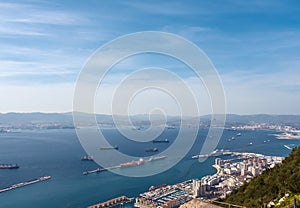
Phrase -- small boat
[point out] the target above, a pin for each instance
(151, 150)
(238, 134)
(250, 144)
(87, 158)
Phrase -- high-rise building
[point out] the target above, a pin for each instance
(196, 188)
(243, 169)
(218, 162)
(199, 188)
(255, 171)
(264, 162)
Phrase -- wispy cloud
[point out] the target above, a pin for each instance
(38, 14)
(17, 68)
(161, 7)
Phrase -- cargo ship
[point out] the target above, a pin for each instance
(87, 158)
(9, 166)
(151, 150)
(109, 148)
(160, 141)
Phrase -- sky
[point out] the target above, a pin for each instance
(254, 46)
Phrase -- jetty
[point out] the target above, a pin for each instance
(125, 165)
(112, 202)
(19, 185)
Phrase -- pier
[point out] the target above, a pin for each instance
(125, 165)
(112, 202)
(19, 185)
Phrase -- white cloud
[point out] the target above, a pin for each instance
(162, 8)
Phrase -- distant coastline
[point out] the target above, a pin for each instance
(283, 136)
(295, 134)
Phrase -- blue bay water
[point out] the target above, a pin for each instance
(58, 152)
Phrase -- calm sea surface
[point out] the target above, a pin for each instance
(58, 152)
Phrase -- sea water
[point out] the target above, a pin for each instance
(58, 152)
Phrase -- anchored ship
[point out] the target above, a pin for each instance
(9, 166)
(109, 148)
(151, 150)
(160, 141)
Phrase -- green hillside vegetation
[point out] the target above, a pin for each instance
(272, 184)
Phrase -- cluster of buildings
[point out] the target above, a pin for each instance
(7, 128)
(231, 174)
(265, 126)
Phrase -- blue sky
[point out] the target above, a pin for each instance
(254, 45)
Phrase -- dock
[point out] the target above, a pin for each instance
(99, 170)
(112, 202)
(19, 185)
(125, 165)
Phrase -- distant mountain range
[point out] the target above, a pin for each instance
(13, 118)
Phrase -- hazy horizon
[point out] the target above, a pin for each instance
(70, 112)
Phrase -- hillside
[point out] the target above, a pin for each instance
(272, 184)
(231, 119)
